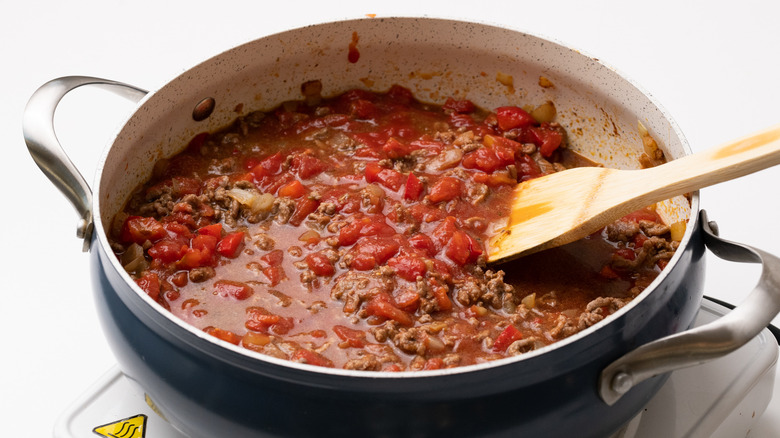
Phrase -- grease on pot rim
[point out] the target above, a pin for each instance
(348, 232)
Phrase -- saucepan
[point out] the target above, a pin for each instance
(589, 384)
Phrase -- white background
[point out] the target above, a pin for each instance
(714, 65)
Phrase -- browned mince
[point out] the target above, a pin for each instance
(350, 232)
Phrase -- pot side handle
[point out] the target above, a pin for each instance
(707, 342)
(45, 148)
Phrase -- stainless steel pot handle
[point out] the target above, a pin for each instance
(45, 148)
(707, 342)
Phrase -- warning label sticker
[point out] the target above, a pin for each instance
(133, 427)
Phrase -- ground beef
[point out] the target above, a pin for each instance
(386, 331)
(488, 288)
(199, 275)
(367, 362)
(283, 209)
(622, 231)
(354, 287)
(411, 340)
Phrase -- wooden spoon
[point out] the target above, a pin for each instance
(565, 206)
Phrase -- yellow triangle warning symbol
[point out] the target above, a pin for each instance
(133, 427)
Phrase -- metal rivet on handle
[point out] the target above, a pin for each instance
(203, 109)
(622, 382)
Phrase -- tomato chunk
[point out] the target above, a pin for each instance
(381, 305)
(510, 117)
(235, 289)
(230, 245)
(139, 229)
(306, 356)
(150, 283)
(390, 178)
(320, 264)
(446, 189)
(504, 339)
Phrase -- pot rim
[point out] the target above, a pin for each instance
(249, 359)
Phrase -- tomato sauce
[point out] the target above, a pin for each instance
(350, 232)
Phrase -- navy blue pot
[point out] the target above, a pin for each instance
(209, 390)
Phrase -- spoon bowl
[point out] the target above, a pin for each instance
(565, 206)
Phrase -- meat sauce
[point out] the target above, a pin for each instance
(350, 232)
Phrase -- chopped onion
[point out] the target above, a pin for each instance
(133, 259)
(446, 159)
(529, 301)
(256, 202)
(677, 230)
(544, 112)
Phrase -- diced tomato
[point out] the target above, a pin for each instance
(408, 300)
(211, 230)
(194, 258)
(458, 120)
(395, 149)
(261, 320)
(494, 179)
(306, 356)
(399, 94)
(307, 166)
(422, 242)
(408, 268)
(293, 189)
(413, 188)
(268, 166)
(626, 253)
(639, 240)
(180, 278)
(139, 229)
(643, 214)
(320, 264)
(231, 244)
(459, 105)
(381, 305)
(366, 226)
(363, 109)
(177, 231)
(150, 283)
(434, 363)
(303, 208)
(235, 289)
(225, 335)
(459, 248)
(274, 274)
(549, 139)
(510, 117)
(442, 299)
(350, 337)
(426, 213)
(499, 155)
(273, 258)
(446, 189)
(527, 168)
(443, 232)
(390, 178)
(372, 251)
(168, 250)
(504, 339)
(204, 242)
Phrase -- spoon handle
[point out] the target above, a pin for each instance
(728, 161)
